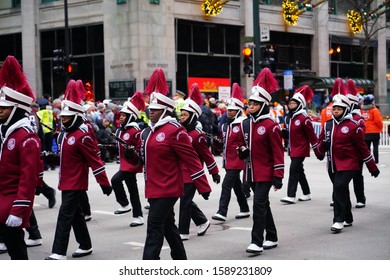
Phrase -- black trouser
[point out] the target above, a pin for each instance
(47, 191)
(161, 223)
(262, 215)
(342, 202)
(297, 175)
(85, 206)
(189, 210)
(232, 180)
(120, 194)
(13, 238)
(33, 230)
(47, 146)
(374, 139)
(358, 185)
(70, 216)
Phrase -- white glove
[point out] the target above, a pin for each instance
(13, 221)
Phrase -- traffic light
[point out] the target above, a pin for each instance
(71, 68)
(59, 61)
(248, 60)
(268, 52)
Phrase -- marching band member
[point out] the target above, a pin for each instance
(358, 179)
(342, 139)
(264, 155)
(232, 139)
(129, 133)
(77, 154)
(190, 113)
(300, 134)
(19, 158)
(165, 145)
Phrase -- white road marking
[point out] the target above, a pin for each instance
(241, 228)
(138, 244)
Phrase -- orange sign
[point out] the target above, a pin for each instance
(208, 84)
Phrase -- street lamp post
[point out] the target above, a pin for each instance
(67, 48)
(256, 37)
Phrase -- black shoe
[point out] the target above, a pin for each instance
(52, 199)
(122, 210)
(79, 253)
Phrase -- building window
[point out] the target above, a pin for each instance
(48, 1)
(207, 50)
(9, 4)
(271, 2)
(86, 45)
(342, 7)
(347, 61)
(11, 45)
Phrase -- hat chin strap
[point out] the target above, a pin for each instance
(260, 110)
(10, 116)
(162, 115)
(71, 125)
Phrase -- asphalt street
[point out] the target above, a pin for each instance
(303, 228)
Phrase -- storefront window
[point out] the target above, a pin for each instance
(11, 44)
(87, 49)
(9, 4)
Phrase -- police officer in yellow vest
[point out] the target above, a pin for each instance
(179, 102)
(47, 120)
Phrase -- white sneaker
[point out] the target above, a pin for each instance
(347, 224)
(337, 227)
(243, 215)
(138, 221)
(360, 205)
(122, 210)
(381, 165)
(305, 197)
(269, 244)
(203, 228)
(254, 249)
(33, 242)
(289, 200)
(184, 236)
(79, 253)
(87, 218)
(56, 257)
(219, 217)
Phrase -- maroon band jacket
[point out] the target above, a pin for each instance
(77, 154)
(266, 158)
(19, 169)
(301, 135)
(199, 142)
(164, 147)
(347, 146)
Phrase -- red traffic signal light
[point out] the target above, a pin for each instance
(71, 68)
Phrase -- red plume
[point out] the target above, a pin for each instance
(157, 83)
(72, 92)
(267, 81)
(81, 89)
(338, 87)
(195, 94)
(237, 92)
(138, 100)
(351, 88)
(306, 91)
(12, 76)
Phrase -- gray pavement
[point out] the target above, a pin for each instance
(303, 228)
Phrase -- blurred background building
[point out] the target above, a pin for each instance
(114, 45)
